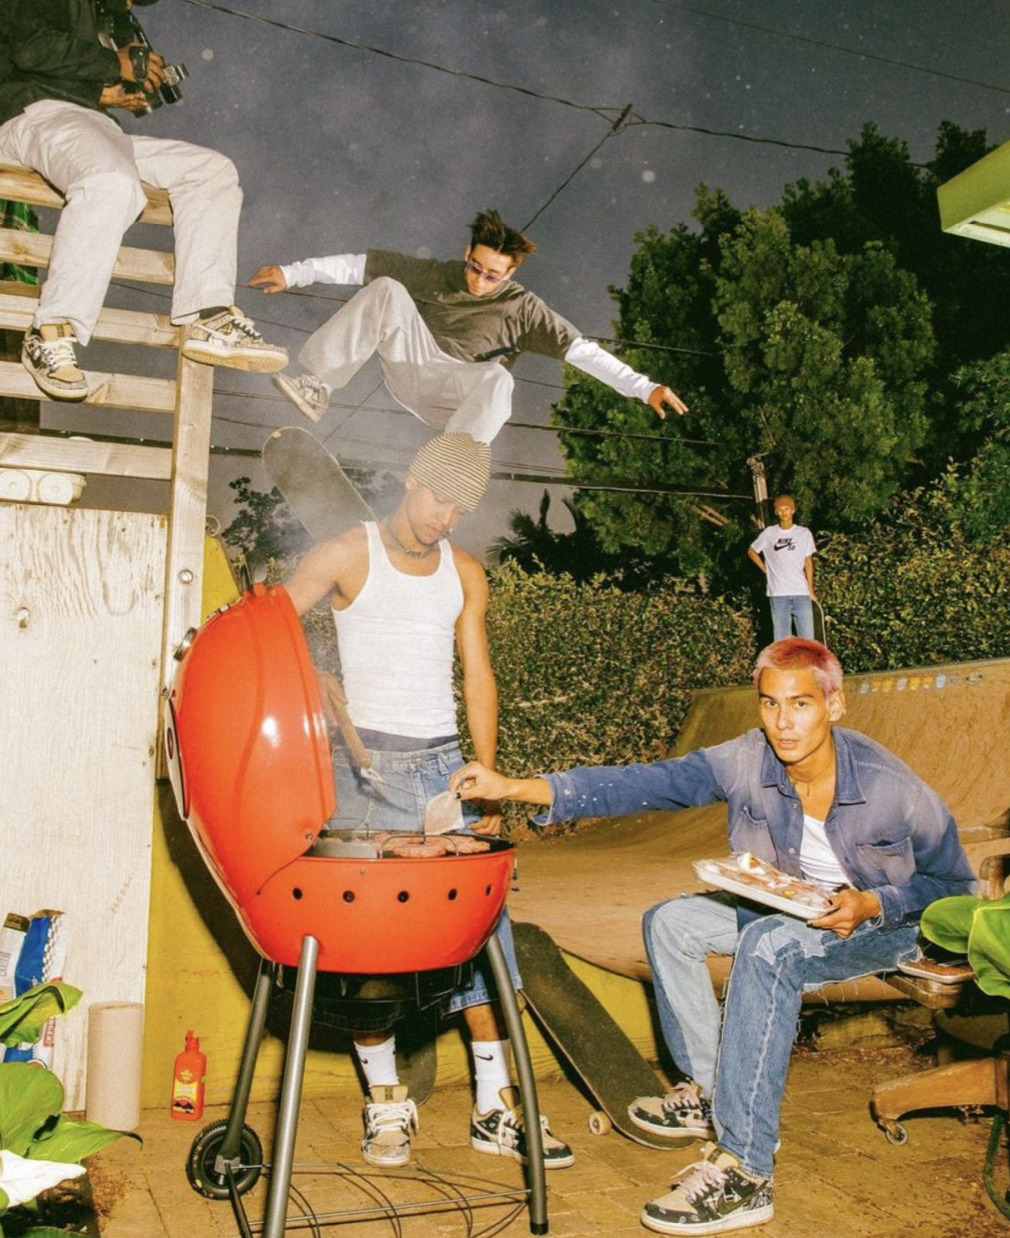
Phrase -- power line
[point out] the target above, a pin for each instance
(509, 425)
(604, 111)
(834, 47)
(413, 60)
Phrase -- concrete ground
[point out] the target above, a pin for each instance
(837, 1176)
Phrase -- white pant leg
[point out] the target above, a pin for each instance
(441, 390)
(90, 160)
(206, 202)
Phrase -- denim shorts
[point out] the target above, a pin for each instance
(410, 780)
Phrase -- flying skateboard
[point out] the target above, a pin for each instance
(579, 1027)
(313, 484)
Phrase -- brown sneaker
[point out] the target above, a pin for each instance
(47, 353)
(231, 339)
(389, 1118)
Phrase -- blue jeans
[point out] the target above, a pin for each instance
(778, 958)
(790, 609)
(398, 803)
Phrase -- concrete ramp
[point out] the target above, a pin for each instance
(949, 723)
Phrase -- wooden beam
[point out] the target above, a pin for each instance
(17, 307)
(23, 185)
(32, 249)
(143, 395)
(188, 510)
(44, 451)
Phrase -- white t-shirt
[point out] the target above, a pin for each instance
(818, 862)
(785, 551)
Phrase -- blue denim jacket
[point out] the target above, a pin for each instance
(891, 833)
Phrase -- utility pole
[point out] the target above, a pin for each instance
(756, 465)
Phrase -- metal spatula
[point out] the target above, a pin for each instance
(443, 813)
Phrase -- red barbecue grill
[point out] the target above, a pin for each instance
(249, 761)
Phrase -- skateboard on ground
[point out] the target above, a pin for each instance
(820, 622)
(579, 1027)
(313, 484)
(416, 1063)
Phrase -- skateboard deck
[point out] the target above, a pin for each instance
(820, 622)
(313, 484)
(587, 1037)
(416, 1062)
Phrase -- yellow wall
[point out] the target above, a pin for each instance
(201, 969)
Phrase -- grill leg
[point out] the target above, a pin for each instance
(247, 1063)
(527, 1085)
(275, 1216)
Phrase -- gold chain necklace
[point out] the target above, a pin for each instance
(411, 554)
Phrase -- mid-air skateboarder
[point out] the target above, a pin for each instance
(446, 333)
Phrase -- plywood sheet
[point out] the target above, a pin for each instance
(80, 627)
(589, 890)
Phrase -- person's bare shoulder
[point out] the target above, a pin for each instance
(472, 575)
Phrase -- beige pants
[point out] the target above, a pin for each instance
(99, 169)
(382, 319)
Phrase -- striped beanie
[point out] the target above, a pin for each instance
(455, 466)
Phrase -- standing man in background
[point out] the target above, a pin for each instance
(785, 553)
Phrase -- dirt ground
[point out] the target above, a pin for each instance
(836, 1175)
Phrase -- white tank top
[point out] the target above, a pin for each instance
(396, 642)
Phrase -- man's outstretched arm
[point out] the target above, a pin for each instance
(591, 359)
(336, 269)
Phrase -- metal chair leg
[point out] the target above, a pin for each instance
(527, 1084)
(282, 1160)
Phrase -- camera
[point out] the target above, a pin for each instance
(121, 26)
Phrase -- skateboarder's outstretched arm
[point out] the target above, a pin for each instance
(336, 269)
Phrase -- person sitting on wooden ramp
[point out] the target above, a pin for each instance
(819, 802)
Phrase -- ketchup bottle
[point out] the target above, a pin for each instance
(189, 1081)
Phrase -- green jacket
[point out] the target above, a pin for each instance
(49, 49)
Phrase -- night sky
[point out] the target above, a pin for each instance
(342, 149)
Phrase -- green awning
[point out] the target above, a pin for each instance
(976, 202)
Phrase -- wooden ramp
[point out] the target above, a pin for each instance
(949, 723)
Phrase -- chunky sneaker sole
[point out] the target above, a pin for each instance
(231, 340)
(291, 389)
(738, 1220)
(44, 358)
(682, 1122)
(389, 1117)
(712, 1196)
(501, 1133)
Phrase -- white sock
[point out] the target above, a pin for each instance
(490, 1072)
(378, 1062)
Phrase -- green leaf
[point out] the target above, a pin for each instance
(73, 1141)
(22, 1018)
(29, 1097)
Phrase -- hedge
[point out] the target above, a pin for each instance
(589, 674)
(907, 595)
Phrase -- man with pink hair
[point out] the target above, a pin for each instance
(818, 801)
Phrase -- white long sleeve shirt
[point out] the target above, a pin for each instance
(585, 355)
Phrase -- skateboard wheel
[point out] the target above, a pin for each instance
(599, 1123)
(895, 1133)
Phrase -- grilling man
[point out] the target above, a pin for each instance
(403, 598)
